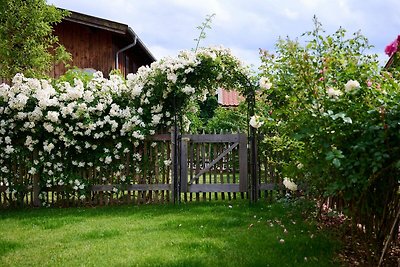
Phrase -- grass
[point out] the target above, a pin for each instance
(192, 234)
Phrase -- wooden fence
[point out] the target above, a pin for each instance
(212, 167)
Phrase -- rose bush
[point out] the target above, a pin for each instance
(335, 113)
(61, 128)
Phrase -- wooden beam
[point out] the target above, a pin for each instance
(212, 138)
(198, 188)
(269, 186)
(132, 187)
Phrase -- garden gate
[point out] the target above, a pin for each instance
(213, 163)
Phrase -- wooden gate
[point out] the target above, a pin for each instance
(213, 163)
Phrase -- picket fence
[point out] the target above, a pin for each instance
(211, 167)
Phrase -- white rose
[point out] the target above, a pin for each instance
(265, 83)
(333, 93)
(351, 85)
(289, 184)
(256, 122)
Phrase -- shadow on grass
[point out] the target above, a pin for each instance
(100, 234)
(8, 246)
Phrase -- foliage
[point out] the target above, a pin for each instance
(338, 115)
(26, 38)
(207, 108)
(60, 128)
(228, 119)
(175, 83)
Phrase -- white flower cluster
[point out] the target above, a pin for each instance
(289, 184)
(265, 83)
(351, 86)
(76, 122)
(189, 76)
(256, 122)
(62, 128)
(333, 93)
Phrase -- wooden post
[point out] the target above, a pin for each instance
(175, 170)
(184, 163)
(251, 102)
(253, 171)
(36, 183)
(243, 175)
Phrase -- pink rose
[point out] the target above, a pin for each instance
(392, 47)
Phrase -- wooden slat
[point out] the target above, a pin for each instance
(207, 168)
(212, 138)
(184, 164)
(173, 157)
(243, 178)
(215, 151)
(192, 165)
(198, 188)
(159, 137)
(36, 184)
(205, 159)
(268, 186)
(132, 187)
(221, 169)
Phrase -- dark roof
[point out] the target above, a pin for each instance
(108, 25)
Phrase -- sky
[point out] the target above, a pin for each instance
(169, 26)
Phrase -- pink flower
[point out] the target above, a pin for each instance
(369, 83)
(392, 47)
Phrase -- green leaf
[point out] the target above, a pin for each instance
(397, 165)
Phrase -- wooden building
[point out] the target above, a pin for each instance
(100, 44)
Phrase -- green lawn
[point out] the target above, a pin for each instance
(192, 234)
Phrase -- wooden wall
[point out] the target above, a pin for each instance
(91, 48)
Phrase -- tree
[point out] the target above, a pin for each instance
(27, 44)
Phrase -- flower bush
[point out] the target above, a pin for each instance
(60, 129)
(335, 114)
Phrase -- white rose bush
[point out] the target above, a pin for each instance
(335, 113)
(62, 129)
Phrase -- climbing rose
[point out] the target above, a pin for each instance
(265, 83)
(333, 93)
(289, 184)
(351, 85)
(256, 122)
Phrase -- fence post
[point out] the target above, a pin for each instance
(184, 163)
(251, 102)
(243, 174)
(175, 170)
(36, 183)
(253, 171)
